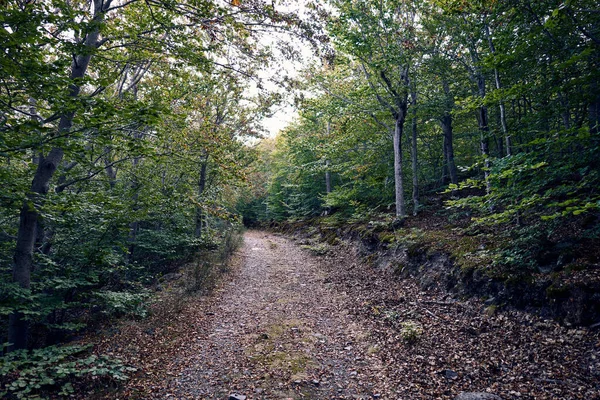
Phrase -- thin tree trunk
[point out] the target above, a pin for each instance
(594, 112)
(507, 138)
(201, 187)
(23, 257)
(445, 173)
(484, 130)
(446, 124)
(327, 173)
(398, 175)
(499, 146)
(484, 146)
(111, 171)
(482, 116)
(413, 155)
(134, 226)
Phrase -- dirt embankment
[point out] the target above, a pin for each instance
(459, 264)
(459, 345)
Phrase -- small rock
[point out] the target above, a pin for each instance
(490, 301)
(237, 396)
(315, 382)
(449, 374)
(477, 396)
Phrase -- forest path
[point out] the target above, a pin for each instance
(280, 331)
(285, 324)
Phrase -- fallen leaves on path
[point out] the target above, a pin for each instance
(289, 325)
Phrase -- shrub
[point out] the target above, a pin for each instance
(123, 303)
(410, 331)
(28, 374)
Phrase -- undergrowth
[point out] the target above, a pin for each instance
(52, 370)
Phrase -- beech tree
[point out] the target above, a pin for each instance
(380, 36)
(506, 94)
(78, 105)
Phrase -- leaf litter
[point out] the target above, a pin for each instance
(286, 324)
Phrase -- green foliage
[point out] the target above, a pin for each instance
(410, 331)
(32, 374)
(548, 184)
(319, 249)
(519, 254)
(123, 303)
(530, 69)
(148, 134)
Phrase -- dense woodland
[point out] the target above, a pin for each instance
(449, 119)
(128, 142)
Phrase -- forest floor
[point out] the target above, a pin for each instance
(287, 324)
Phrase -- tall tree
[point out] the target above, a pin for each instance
(379, 35)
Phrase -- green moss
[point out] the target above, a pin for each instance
(330, 237)
(387, 237)
(291, 362)
(318, 249)
(491, 310)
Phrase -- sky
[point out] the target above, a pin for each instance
(282, 118)
(285, 113)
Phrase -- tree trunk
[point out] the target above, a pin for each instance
(446, 124)
(134, 226)
(111, 171)
(327, 173)
(398, 175)
(507, 138)
(413, 155)
(484, 130)
(23, 257)
(444, 176)
(201, 187)
(594, 111)
(482, 115)
(484, 146)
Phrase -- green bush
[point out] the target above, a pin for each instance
(123, 303)
(32, 374)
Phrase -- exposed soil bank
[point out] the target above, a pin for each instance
(571, 296)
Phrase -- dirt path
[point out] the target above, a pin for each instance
(280, 331)
(290, 325)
